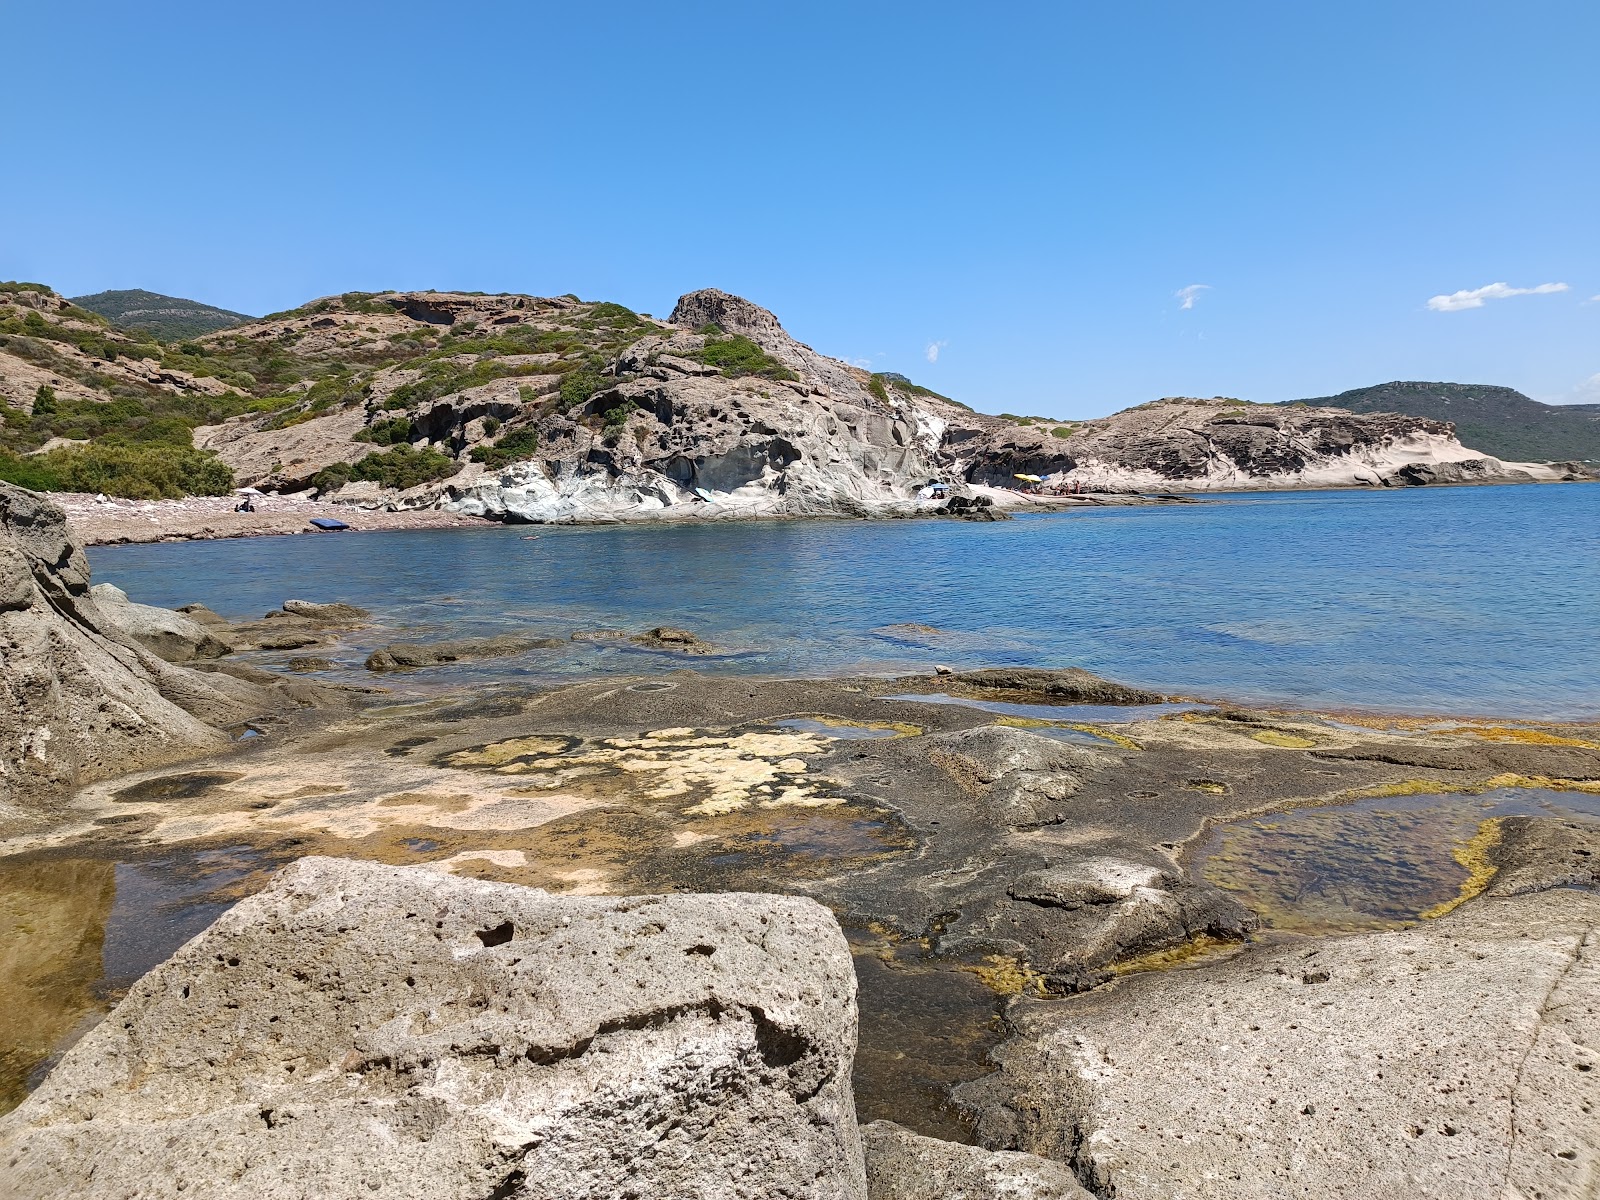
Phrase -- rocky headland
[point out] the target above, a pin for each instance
(552, 409)
(624, 935)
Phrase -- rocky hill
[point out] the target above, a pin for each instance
(1497, 420)
(1189, 444)
(170, 318)
(552, 408)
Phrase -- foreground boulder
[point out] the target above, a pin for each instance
(1457, 1058)
(362, 1030)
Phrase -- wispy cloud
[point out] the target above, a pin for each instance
(932, 352)
(1456, 301)
(1188, 295)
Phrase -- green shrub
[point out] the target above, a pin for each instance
(153, 471)
(582, 382)
(44, 401)
(738, 355)
(491, 425)
(402, 467)
(515, 446)
(1062, 431)
(32, 473)
(14, 286)
(388, 432)
(878, 388)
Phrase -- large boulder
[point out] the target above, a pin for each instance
(172, 636)
(82, 697)
(357, 1029)
(1456, 1058)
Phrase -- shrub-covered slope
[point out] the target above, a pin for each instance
(1497, 420)
(170, 318)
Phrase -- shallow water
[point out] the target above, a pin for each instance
(1451, 600)
(1376, 863)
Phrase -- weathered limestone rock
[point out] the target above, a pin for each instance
(398, 656)
(77, 701)
(902, 1165)
(172, 636)
(1017, 777)
(360, 1030)
(1457, 1058)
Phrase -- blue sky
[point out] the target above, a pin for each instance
(1005, 202)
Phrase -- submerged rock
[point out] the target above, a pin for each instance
(358, 1029)
(902, 1165)
(399, 656)
(1452, 1059)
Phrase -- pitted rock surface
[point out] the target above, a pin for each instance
(1456, 1058)
(902, 1165)
(358, 1029)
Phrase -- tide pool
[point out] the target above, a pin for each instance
(1450, 600)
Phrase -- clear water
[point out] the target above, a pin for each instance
(1450, 600)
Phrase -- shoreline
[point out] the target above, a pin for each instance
(115, 522)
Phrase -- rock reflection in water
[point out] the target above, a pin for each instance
(1377, 863)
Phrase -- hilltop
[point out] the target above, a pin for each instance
(555, 408)
(1497, 420)
(170, 318)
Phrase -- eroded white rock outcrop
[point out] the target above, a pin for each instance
(357, 1029)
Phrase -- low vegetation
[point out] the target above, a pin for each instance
(402, 467)
(736, 355)
(153, 471)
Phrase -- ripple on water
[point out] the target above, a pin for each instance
(1377, 863)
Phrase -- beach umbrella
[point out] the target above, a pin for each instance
(249, 491)
(1029, 478)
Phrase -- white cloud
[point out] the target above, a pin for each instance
(1188, 295)
(932, 352)
(1456, 301)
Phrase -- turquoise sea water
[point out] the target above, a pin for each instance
(1480, 600)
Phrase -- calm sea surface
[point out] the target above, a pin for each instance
(1452, 600)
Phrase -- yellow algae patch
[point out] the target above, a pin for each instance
(1200, 947)
(498, 754)
(1209, 786)
(1284, 741)
(721, 772)
(1009, 976)
(1439, 787)
(1474, 856)
(1526, 737)
(1402, 787)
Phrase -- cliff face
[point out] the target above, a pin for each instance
(1185, 444)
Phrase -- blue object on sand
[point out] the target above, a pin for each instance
(328, 523)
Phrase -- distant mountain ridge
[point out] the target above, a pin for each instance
(170, 318)
(1496, 420)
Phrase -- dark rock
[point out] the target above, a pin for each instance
(399, 656)
(679, 641)
(1070, 685)
(335, 612)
